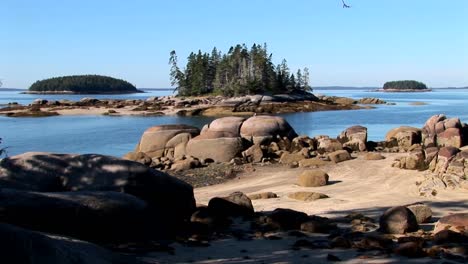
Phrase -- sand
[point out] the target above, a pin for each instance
(368, 187)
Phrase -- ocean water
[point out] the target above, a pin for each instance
(119, 135)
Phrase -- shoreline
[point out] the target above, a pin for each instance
(189, 106)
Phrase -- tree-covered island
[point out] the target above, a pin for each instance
(240, 71)
(83, 84)
(407, 85)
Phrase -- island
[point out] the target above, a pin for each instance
(82, 84)
(405, 86)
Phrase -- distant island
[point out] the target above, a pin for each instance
(83, 84)
(405, 86)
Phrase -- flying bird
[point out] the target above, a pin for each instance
(345, 5)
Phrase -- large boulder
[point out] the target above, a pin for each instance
(217, 146)
(166, 196)
(285, 219)
(354, 137)
(260, 128)
(91, 216)
(229, 125)
(27, 247)
(398, 220)
(236, 204)
(405, 136)
(313, 178)
(422, 212)
(166, 140)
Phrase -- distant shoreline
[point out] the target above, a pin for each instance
(69, 92)
(403, 90)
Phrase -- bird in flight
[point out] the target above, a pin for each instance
(345, 5)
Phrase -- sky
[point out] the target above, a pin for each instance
(368, 44)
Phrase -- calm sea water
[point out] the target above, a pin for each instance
(118, 135)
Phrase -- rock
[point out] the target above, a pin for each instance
(451, 137)
(405, 136)
(429, 132)
(253, 154)
(354, 137)
(301, 142)
(313, 162)
(313, 178)
(373, 156)
(415, 160)
(410, 250)
(444, 157)
(228, 125)
(455, 222)
(259, 128)
(318, 225)
(89, 215)
(326, 145)
(215, 146)
(290, 158)
(371, 100)
(168, 197)
(236, 204)
(398, 220)
(307, 196)
(449, 237)
(140, 157)
(23, 246)
(166, 140)
(422, 212)
(340, 242)
(185, 164)
(264, 195)
(339, 156)
(286, 219)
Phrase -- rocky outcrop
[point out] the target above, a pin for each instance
(440, 131)
(167, 197)
(23, 246)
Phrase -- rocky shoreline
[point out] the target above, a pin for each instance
(171, 105)
(264, 194)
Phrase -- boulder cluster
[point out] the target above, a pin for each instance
(439, 147)
(241, 140)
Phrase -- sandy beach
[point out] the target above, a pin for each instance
(356, 186)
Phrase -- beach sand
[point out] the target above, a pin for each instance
(365, 186)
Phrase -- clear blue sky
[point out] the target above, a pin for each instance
(366, 45)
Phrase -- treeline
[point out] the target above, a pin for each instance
(239, 72)
(83, 84)
(405, 85)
